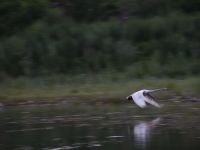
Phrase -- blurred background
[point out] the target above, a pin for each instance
(141, 38)
(66, 67)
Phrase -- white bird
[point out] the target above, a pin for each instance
(142, 97)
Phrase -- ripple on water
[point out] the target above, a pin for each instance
(86, 137)
(62, 148)
(77, 145)
(25, 148)
(83, 125)
(115, 136)
(94, 144)
(30, 129)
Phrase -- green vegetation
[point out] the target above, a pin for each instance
(140, 38)
(104, 86)
(65, 39)
(158, 46)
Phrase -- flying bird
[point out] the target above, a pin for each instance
(144, 97)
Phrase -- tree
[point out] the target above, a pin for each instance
(17, 14)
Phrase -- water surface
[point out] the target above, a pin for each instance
(100, 126)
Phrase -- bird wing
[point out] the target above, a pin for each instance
(150, 99)
(139, 101)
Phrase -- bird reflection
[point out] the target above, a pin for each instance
(142, 131)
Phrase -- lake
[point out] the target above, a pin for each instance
(107, 126)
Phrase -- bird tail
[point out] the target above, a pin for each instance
(156, 90)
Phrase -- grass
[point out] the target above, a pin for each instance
(90, 86)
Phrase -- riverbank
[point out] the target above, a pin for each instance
(89, 88)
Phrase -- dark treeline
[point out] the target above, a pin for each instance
(139, 37)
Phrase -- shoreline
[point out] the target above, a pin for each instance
(87, 100)
(60, 100)
(24, 91)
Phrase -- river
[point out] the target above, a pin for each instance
(106, 126)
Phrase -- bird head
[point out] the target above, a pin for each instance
(129, 98)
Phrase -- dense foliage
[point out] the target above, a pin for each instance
(139, 37)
